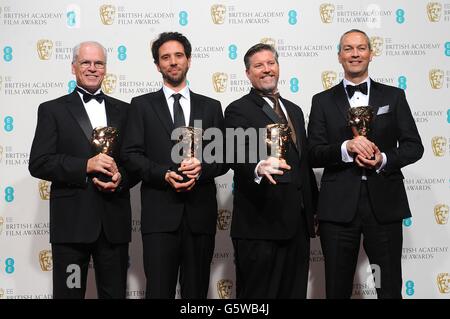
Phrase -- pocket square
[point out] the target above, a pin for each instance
(383, 110)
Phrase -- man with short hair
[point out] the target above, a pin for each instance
(178, 217)
(272, 221)
(362, 189)
(89, 216)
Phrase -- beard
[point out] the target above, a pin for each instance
(175, 80)
(269, 88)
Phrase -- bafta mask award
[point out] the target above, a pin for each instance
(191, 141)
(103, 140)
(359, 119)
(278, 138)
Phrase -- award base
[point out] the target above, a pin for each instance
(283, 179)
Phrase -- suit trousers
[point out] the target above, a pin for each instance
(382, 244)
(70, 269)
(167, 253)
(273, 268)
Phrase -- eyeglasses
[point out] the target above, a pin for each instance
(97, 64)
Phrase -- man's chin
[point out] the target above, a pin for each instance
(174, 81)
(269, 89)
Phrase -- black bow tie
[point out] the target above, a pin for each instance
(88, 96)
(351, 89)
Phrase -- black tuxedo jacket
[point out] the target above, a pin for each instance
(392, 129)
(147, 150)
(265, 211)
(60, 151)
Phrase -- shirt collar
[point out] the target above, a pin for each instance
(347, 82)
(84, 90)
(168, 92)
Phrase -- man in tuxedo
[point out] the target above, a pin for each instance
(272, 219)
(90, 213)
(179, 216)
(362, 189)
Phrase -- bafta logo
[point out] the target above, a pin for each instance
(359, 119)
(377, 45)
(224, 288)
(441, 214)
(104, 140)
(220, 80)
(2, 222)
(443, 282)
(436, 77)
(44, 189)
(218, 13)
(278, 138)
(1, 82)
(2, 293)
(1, 153)
(45, 260)
(438, 145)
(434, 10)
(326, 12)
(190, 139)
(269, 41)
(328, 79)
(223, 219)
(109, 83)
(44, 48)
(107, 14)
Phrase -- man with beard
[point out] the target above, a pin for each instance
(178, 217)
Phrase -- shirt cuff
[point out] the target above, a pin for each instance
(257, 178)
(346, 158)
(383, 163)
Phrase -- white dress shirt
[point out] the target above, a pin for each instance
(95, 110)
(358, 99)
(185, 101)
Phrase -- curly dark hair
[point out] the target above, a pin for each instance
(170, 36)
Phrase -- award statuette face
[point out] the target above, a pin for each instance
(359, 119)
(191, 141)
(278, 139)
(103, 140)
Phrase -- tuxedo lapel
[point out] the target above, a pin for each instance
(265, 107)
(76, 108)
(341, 100)
(112, 113)
(270, 112)
(162, 111)
(295, 122)
(375, 97)
(196, 109)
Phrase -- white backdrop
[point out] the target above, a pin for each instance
(412, 49)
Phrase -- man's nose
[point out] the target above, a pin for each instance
(173, 60)
(92, 67)
(266, 68)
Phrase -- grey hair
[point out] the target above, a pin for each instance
(76, 50)
(354, 31)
